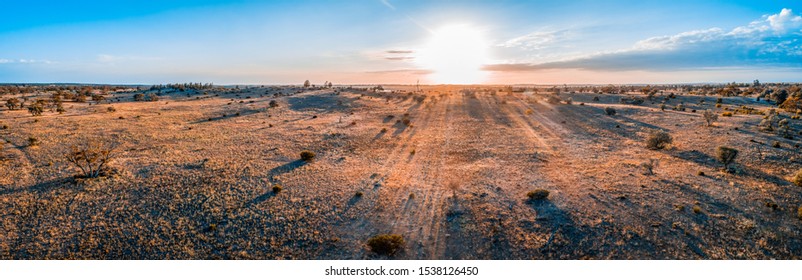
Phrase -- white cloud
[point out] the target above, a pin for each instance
(784, 20)
(772, 41)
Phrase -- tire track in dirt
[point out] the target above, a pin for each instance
(389, 182)
(415, 188)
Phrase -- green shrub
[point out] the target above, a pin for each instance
(277, 188)
(538, 194)
(386, 244)
(609, 111)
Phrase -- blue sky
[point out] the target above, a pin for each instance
(373, 41)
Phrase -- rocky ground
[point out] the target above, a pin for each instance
(448, 169)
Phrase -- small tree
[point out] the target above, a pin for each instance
(98, 98)
(92, 158)
(37, 108)
(307, 84)
(726, 155)
(13, 103)
(609, 111)
(80, 98)
(710, 117)
(139, 97)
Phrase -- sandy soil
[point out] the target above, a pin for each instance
(194, 173)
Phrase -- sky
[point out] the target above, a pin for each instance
(400, 42)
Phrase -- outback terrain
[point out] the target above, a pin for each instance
(458, 172)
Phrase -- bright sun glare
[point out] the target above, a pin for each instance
(455, 54)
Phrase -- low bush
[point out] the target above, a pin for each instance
(658, 140)
(538, 194)
(726, 155)
(307, 155)
(609, 111)
(33, 141)
(92, 158)
(709, 117)
(386, 244)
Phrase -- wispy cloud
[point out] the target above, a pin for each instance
(399, 58)
(387, 3)
(773, 41)
(24, 61)
(107, 58)
(536, 40)
(402, 71)
(399, 55)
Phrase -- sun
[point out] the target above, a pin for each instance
(455, 55)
